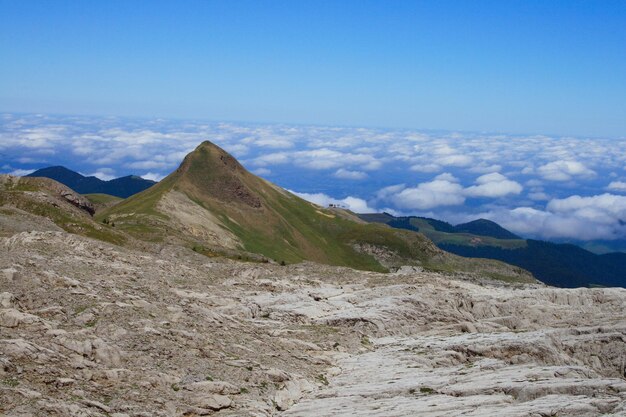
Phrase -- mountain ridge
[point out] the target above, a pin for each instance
(484, 227)
(243, 212)
(122, 187)
(559, 264)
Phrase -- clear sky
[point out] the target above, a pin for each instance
(554, 67)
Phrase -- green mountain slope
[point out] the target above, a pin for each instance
(102, 201)
(44, 204)
(562, 265)
(213, 204)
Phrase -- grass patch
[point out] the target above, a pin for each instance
(322, 378)
(11, 382)
(81, 309)
(97, 198)
(64, 218)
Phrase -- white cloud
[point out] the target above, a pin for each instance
(149, 165)
(272, 159)
(605, 208)
(262, 171)
(388, 192)
(446, 176)
(274, 142)
(349, 175)
(354, 204)
(493, 185)
(330, 159)
(236, 149)
(444, 190)
(564, 170)
(539, 196)
(485, 169)
(443, 149)
(104, 176)
(21, 172)
(455, 160)
(575, 217)
(426, 168)
(152, 176)
(534, 183)
(619, 186)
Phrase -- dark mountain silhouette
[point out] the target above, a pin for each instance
(483, 227)
(120, 187)
(558, 264)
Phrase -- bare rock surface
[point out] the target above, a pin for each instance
(195, 221)
(92, 329)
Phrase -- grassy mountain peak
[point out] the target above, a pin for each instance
(209, 171)
(213, 204)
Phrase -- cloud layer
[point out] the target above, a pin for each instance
(539, 186)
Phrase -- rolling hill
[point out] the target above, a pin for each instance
(119, 187)
(483, 227)
(558, 264)
(42, 204)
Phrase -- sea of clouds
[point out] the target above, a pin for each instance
(537, 186)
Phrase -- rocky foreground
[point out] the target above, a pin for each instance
(91, 329)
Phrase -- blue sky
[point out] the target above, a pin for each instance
(550, 67)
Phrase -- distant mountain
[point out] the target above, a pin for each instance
(558, 264)
(120, 187)
(603, 246)
(480, 227)
(483, 227)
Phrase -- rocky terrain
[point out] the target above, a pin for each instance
(88, 328)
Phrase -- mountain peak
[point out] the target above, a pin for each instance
(209, 154)
(484, 227)
(57, 172)
(213, 203)
(210, 171)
